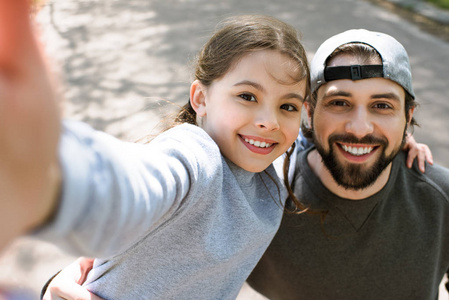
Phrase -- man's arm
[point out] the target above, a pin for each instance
(68, 283)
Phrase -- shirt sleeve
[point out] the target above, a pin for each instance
(302, 143)
(114, 192)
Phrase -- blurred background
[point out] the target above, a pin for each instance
(124, 65)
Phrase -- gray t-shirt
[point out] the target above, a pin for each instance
(172, 219)
(392, 245)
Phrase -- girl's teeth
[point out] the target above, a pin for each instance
(358, 151)
(258, 143)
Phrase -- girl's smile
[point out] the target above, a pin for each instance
(258, 145)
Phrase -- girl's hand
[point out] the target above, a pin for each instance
(419, 151)
(29, 127)
(67, 284)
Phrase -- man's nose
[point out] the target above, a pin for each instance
(359, 123)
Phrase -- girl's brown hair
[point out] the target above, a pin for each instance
(236, 37)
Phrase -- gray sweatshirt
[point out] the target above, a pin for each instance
(172, 219)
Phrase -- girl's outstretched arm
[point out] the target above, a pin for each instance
(29, 127)
(419, 151)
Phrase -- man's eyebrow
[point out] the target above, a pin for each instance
(336, 93)
(262, 89)
(390, 96)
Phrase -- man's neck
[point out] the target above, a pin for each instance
(316, 164)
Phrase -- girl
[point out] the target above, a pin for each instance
(188, 215)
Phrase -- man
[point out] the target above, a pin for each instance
(375, 229)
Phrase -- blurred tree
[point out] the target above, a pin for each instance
(440, 3)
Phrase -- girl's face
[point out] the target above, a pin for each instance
(253, 112)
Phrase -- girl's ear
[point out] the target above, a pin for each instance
(198, 98)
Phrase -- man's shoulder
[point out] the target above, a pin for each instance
(438, 175)
(435, 179)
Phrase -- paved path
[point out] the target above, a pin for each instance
(125, 64)
(125, 60)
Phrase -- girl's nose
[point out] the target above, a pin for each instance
(267, 120)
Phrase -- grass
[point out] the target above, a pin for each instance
(440, 3)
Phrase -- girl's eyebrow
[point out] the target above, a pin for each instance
(251, 83)
(262, 89)
(293, 95)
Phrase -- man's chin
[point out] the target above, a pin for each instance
(355, 176)
(355, 188)
(360, 174)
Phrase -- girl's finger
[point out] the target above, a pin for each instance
(412, 154)
(422, 161)
(429, 156)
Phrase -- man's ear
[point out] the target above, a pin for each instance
(309, 112)
(198, 98)
(410, 115)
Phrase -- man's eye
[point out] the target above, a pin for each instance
(339, 103)
(248, 97)
(289, 107)
(382, 106)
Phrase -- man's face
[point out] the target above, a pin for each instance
(358, 127)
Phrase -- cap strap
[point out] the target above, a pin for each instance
(354, 72)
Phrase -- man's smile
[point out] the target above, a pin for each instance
(357, 150)
(357, 153)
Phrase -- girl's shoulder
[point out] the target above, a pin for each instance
(188, 137)
(192, 143)
(185, 131)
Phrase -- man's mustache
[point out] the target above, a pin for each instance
(349, 138)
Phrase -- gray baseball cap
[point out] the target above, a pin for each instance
(395, 63)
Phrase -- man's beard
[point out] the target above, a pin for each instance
(353, 176)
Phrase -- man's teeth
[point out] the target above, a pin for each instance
(258, 143)
(357, 150)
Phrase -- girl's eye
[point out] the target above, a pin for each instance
(289, 107)
(248, 97)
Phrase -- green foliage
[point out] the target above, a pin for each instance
(440, 3)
